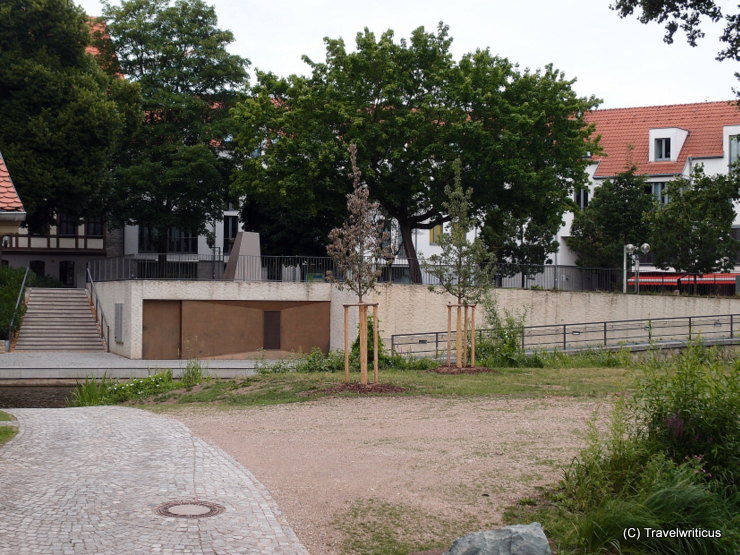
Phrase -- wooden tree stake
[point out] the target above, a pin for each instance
(449, 332)
(363, 344)
(472, 338)
(346, 344)
(458, 338)
(375, 343)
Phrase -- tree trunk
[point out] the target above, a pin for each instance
(161, 245)
(410, 249)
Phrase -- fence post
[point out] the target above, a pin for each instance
(436, 344)
(605, 342)
(732, 331)
(393, 344)
(689, 328)
(565, 337)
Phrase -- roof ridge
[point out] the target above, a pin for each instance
(726, 102)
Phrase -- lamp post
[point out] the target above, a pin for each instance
(634, 252)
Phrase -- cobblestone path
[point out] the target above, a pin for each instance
(87, 480)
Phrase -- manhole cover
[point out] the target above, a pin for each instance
(189, 508)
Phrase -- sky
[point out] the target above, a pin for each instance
(620, 61)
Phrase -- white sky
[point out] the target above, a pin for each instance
(621, 61)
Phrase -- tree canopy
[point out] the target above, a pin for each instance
(175, 171)
(617, 215)
(693, 232)
(63, 117)
(686, 15)
(412, 110)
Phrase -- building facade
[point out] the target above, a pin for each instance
(662, 143)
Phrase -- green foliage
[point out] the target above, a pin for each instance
(10, 285)
(106, 391)
(193, 374)
(501, 346)
(616, 216)
(686, 15)
(463, 268)
(693, 232)
(667, 461)
(689, 409)
(175, 170)
(521, 136)
(63, 117)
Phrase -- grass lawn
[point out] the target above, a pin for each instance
(6, 432)
(277, 388)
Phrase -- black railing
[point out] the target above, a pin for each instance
(323, 269)
(589, 335)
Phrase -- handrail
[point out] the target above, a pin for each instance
(9, 340)
(104, 326)
(594, 334)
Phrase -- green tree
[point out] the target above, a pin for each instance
(63, 117)
(412, 111)
(686, 15)
(618, 214)
(175, 171)
(693, 232)
(463, 268)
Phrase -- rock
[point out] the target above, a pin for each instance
(519, 539)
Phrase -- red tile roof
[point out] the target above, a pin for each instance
(9, 200)
(625, 134)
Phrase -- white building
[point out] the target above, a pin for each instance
(663, 143)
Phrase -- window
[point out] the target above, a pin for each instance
(177, 241)
(662, 149)
(658, 190)
(581, 198)
(435, 234)
(67, 226)
(94, 226)
(734, 148)
(231, 228)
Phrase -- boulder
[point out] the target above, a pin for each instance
(519, 539)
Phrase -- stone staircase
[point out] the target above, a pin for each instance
(59, 320)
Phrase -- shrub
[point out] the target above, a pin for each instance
(10, 284)
(193, 374)
(688, 407)
(668, 461)
(106, 391)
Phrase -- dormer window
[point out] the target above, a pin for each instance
(662, 149)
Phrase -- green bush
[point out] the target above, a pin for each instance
(106, 391)
(667, 461)
(193, 374)
(10, 284)
(688, 408)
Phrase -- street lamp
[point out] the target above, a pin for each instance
(634, 252)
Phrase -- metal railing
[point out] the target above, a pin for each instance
(99, 315)
(319, 269)
(589, 335)
(9, 340)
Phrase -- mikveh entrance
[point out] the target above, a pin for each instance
(180, 329)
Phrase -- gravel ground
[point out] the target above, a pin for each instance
(446, 457)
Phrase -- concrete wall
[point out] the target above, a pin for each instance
(402, 308)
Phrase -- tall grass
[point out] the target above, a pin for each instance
(194, 373)
(668, 460)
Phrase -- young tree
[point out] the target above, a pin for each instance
(463, 269)
(359, 249)
(63, 118)
(412, 111)
(175, 171)
(618, 214)
(693, 232)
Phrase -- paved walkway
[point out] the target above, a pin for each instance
(87, 480)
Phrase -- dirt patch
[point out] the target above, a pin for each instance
(466, 370)
(326, 462)
(364, 389)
